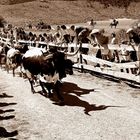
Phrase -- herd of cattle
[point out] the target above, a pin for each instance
(45, 64)
(47, 67)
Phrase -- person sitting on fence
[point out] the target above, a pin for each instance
(65, 34)
(102, 41)
(114, 53)
(57, 39)
(72, 33)
(124, 56)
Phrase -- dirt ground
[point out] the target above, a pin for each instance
(95, 109)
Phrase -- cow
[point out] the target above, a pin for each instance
(13, 60)
(49, 67)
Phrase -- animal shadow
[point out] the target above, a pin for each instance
(73, 100)
(5, 134)
(68, 87)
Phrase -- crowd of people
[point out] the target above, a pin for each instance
(62, 34)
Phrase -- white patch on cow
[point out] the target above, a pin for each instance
(12, 52)
(49, 78)
(34, 52)
(94, 31)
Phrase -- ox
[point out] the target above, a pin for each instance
(49, 67)
(13, 59)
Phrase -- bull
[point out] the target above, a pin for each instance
(49, 67)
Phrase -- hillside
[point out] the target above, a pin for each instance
(6, 2)
(59, 11)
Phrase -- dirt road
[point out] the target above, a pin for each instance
(95, 109)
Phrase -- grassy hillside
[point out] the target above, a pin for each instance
(60, 11)
(7, 2)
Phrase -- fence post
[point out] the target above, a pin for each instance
(81, 62)
(138, 58)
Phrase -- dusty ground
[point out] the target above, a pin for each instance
(95, 109)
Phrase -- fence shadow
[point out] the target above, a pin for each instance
(5, 134)
(6, 117)
(4, 111)
(4, 95)
(6, 104)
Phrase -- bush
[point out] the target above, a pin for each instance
(2, 22)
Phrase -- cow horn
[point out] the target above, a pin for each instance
(72, 54)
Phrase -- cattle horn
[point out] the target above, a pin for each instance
(72, 54)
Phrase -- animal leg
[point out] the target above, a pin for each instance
(42, 86)
(31, 83)
(57, 90)
(49, 87)
(20, 74)
(7, 68)
(13, 72)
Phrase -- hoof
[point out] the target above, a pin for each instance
(61, 103)
(50, 95)
(33, 91)
(42, 93)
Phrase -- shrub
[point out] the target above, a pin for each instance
(2, 21)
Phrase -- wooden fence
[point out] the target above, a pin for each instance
(108, 68)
